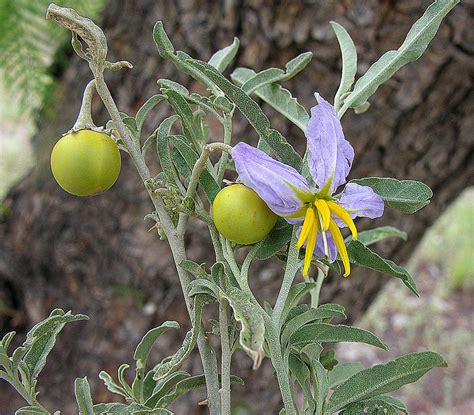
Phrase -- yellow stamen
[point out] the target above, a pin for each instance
(323, 209)
(341, 247)
(307, 224)
(310, 247)
(344, 216)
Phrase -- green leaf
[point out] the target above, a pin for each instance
(208, 183)
(277, 97)
(151, 103)
(322, 312)
(301, 372)
(395, 402)
(349, 63)
(328, 333)
(133, 409)
(412, 48)
(174, 86)
(343, 371)
(182, 108)
(31, 410)
(173, 363)
(203, 286)
(5, 342)
(143, 351)
(385, 378)
(276, 240)
(372, 236)
(41, 339)
(272, 75)
(252, 332)
(322, 386)
(328, 359)
(82, 391)
(370, 407)
(251, 110)
(110, 384)
(224, 57)
(166, 161)
(360, 255)
(408, 196)
(295, 294)
(188, 384)
(198, 270)
(164, 385)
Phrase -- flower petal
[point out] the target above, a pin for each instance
(282, 188)
(330, 155)
(360, 201)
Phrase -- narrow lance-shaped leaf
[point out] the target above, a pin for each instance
(277, 97)
(252, 333)
(349, 63)
(408, 196)
(372, 236)
(143, 351)
(382, 379)
(328, 333)
(416, 42)
(224, 57)
(151, 103)
(82, 391)
(361, 255)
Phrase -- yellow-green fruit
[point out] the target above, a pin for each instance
(241, 216)
(85, 162)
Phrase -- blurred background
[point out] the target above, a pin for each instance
(94, 255)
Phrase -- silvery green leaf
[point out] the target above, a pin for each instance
(82, 391)
(263, 78)
(272, 75)
(370, 407)
(328, 359)
(203, 286)
(41, 339)
(163, 150)
(349, 63)
(252, 332)
(252, 111)
(382, 379)
(182, 108)
(277, 97)
(276, 240)
(150, 103)
(415, 43)
(295, 294)
(111, 385)
(208, 183)
(360, 109)
(188, 384)
(132, 409)
(372, 236)
(5, 342)
(309, 316)
(143, 351)
(224, 57)
(395, 402)
(343, 371)
(164, 385)
(361, 255)
(302, 374)
(174, 86)
(328, 333)
(198, 270)
(31, 410)
(408, 196)
(322, 388)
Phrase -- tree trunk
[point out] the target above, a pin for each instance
(94, 255)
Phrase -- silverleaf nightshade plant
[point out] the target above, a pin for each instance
(306, 192)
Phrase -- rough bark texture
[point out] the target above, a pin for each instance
(94, 255)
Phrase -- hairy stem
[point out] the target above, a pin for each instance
(226, 358)
(208, 356)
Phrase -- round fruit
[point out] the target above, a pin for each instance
(85, 162)
(241, 216)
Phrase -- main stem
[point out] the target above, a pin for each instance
(226, 357)
(208, 357)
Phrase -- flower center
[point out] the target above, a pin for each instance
(319, 217)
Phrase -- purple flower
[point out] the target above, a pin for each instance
(289, 195)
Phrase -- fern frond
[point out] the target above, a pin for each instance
(27, 45)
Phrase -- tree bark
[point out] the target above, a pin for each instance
(94, 255)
